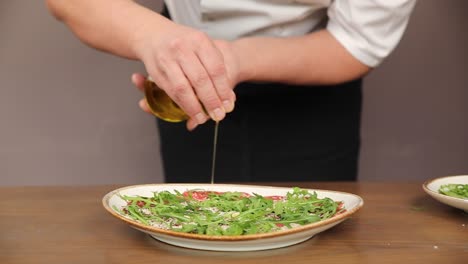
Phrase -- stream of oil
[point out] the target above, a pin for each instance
(215, 144)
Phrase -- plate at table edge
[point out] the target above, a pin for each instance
(432, 186)
(264, 241)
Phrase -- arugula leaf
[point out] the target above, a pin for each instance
(455, 190)
(228, 213)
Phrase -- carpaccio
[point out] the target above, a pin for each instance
(224, 222)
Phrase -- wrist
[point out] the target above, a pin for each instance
(245, 60)
(150, 28)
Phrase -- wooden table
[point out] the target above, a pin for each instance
(399, 223)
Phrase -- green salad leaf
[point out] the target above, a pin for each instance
(228, 213)
(455, 190)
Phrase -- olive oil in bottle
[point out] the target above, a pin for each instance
(163, 107)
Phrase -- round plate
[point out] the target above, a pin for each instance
(277, 239)
(431, 187)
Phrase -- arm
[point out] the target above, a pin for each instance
(317, 58)
(359, 35)
(183, 61)
(108, 25)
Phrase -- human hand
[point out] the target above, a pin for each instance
(232, 73)
(191, 69)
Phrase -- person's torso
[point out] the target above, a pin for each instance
(229, 19)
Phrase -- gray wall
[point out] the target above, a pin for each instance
(69, 115)
(415, 120)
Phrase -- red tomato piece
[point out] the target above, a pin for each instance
(199, 195)
(203, 195)
(275, 197)
(245, 195)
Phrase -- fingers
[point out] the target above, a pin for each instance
(176, 85)
(144, 106)
(191, 124)
(203, 86)
(139, 81)
(203, 66)
(212, 60)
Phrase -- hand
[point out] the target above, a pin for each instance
(190, 68)
(232, 72)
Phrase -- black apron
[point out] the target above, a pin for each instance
(276, 133)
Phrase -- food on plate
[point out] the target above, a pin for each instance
(455, 190)
(228, 213)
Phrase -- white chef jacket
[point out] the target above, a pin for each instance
(368, 29)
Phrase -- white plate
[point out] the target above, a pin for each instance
(278, 239)
(432, 188)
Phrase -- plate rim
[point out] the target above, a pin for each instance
(440, 195)
(335, 219)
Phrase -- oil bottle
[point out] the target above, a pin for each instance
(161, 105)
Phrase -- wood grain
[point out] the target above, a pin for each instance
(398, 223)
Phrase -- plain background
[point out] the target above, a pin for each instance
(69, 114)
